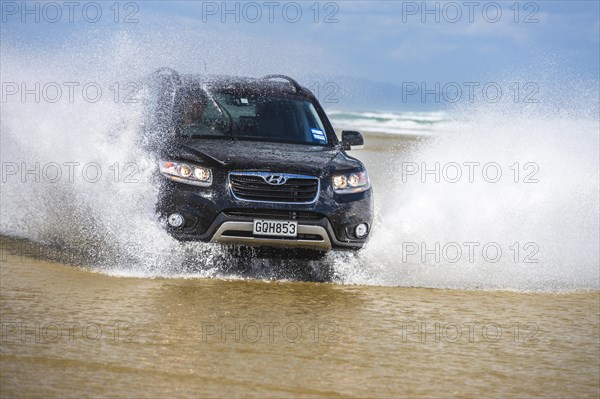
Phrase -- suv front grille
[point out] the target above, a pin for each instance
(273, 214)
(254, 186)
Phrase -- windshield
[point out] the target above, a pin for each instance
(265, 117)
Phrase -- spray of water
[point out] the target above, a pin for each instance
(108, 221)
(508, 200)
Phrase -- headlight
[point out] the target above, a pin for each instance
(186, 173)
(356, 182)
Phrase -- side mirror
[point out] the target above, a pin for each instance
(352, 139)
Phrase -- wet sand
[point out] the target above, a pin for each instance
(71, 332)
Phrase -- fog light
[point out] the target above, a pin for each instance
(175, 220)
(361, 230)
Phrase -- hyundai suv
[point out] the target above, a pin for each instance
(256, 162)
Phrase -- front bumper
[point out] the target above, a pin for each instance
(309, 237)
(213, 214)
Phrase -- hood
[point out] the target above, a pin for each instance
(263, 156)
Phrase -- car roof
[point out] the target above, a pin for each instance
(246, 84)
(272, 84)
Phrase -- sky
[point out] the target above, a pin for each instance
(357, 43)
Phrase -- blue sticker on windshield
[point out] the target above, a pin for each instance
(319, 135)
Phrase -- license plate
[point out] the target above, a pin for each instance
(281, 228)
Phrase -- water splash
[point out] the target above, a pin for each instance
(110, 223)
(437, 229)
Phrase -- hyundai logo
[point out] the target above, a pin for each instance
(275, 180)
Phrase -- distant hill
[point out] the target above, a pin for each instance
(354, 94)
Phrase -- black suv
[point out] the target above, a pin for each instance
(255, 162)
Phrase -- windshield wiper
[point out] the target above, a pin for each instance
(221, 109)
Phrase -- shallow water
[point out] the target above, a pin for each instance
(71, 332)
(88, 315)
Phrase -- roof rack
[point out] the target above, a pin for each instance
(297, 87)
